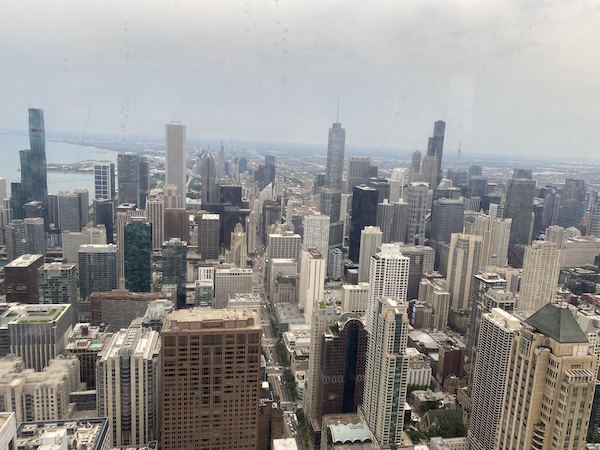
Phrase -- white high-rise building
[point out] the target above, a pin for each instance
(495, 336)
(396, 183)
(175, 158)
(127, 385)
(464, 261)
(386, 371)
(370, 241)
(312, 281)
(316, 233)
(417, 197)
(104, 180)
(231, 281)
(495, 234)
(156, 211)
(388, 277)
(355, 298)
(541, 268)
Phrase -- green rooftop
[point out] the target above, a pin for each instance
(557, 323)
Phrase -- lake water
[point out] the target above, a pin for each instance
(56, 152)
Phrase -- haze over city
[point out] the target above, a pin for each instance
(506, 76)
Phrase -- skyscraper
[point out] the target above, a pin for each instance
(550, 375)
(447, 217)
(370, 241)
(386, 371)
(396, 183)
(58, 283)
(155, 210)
(364, 213)
(572, 203)
(316, 233)
(34, 184)
(21, 279)
(97, 269)
(496, 335)
(495, 235)
(232, 280)
(269, 170)
(417, 194)
(35, 237)
(464, 261)
(104, 180)
(133, 178)
(208, 236)
(127, 385)
(312, 281)
(15, 239)
(175, 157)
(331, 194)
(210, 401)
(519, 208)
(174, 266)
(104, 213)
(342, 366)
(435, 145)
(208, 175)
(358, 172)
(137, 254)
(541, 268)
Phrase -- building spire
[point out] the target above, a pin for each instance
(337, 117)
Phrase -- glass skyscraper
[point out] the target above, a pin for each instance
(137, 254)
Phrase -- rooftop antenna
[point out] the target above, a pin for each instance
(337, 118)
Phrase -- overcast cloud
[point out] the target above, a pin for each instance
(519, 76)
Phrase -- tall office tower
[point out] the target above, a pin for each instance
(125, 212)
(104, 180)
(34, 184)
(84, 205)
(242, 165)
(59, 283)
(370, 241)
(388, 277)
(69, 208)
(551, 354)
(231, 281)
(208, 175)
(127, 385)
(594, 223)
(495, 234)
(355, 298)
(396, 182)
(335, 264)
(312, 281)
(386, 215)
(331, 194)
(386, 371)
(175, 157)
(447, 217)
(541, 267)
(155, 210)
(15, 239)
(238, 249)
(526, 174)
(3, 191)
(97, 269)
(316, 233)
(422, 260)
(133, 178)
(221, 163)
(519, 208)
(286, 245)
(208, 236)
(104, 214)
(414, 170)
(477, 186)
(35, 237)
(457, 177)
(364, 213)
(475, 170)
(496, 335)
(222, 393)
(174, 266)
(324, 316)
(558, 235)
(572, 203)
(435, 145)
(357, 173)
(137, 255)
(464, 261)
(176, 224)
(269, 170)
(552, 200)
(21, 279)
(433, 291)
(282, 272)
(38, 333)
(342, 366)
(416, 197)
(429, 171)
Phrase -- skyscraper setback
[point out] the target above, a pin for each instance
(435, 145)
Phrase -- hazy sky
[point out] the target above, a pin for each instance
(521, 75)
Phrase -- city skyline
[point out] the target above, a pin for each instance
(505, 77)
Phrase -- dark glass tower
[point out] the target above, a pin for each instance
(519, 208)
(435, 145)
(269, 170)
(104, 213)
(572, 203)
(174, 264)
(137, 250)
(34, 183)
(364, 213)
(133, 179)
(208, 175)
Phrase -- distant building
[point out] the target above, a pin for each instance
(175, 158)
(97, 269)
(137, 254)
(21, 279)
(58, 283)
